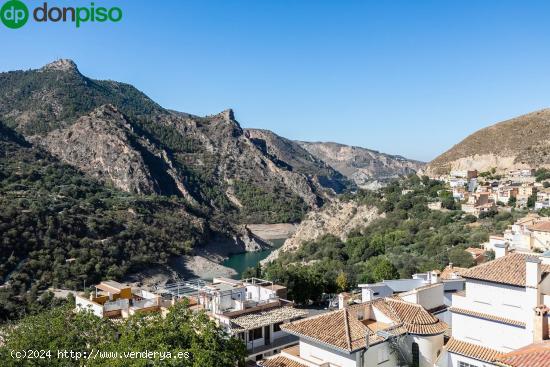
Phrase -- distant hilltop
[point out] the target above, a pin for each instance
(520, 143)
(365, 167)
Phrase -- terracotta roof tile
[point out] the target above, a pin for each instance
(336, 329)
(543, 226)
(450, 272)
(534, 355)
(345, 330)
(509, 269)
(472, 350)
(485, 316)
(280, 361)
(266, 317)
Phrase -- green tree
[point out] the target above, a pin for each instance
(377, 269)
(531, 200)
(461, 258)
(342, 282)
(181, 331)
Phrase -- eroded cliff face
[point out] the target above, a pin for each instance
(367, 168)
(102, 144)
(521, 142)
(338, 218)
(116, 134)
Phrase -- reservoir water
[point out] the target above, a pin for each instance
(240, 262)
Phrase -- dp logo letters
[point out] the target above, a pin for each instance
(14, 14)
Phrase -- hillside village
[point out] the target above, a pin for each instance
(485, 192)
(443, 269)
(493, 314)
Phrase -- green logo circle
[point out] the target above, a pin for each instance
(14, 14)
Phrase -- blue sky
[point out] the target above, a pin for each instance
(402, 77)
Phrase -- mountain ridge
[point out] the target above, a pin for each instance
(368, 168)
(209, 160)
(519, 142)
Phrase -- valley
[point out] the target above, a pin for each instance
(114, 185)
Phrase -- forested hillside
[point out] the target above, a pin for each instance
(60, 228)
(116, 134)
(410, 239)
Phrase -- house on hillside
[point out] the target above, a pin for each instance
(533, 355)
(115, 300)
(252, 310)
(432, 290)
(501, 310)
(478, 254)
(383, 332)
(531, 233)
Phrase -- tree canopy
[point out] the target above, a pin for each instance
(182, 338)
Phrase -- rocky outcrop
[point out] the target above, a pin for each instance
(118, 135)
(367, 168)
(338, 218)
(291, 157)
(103, 144)
(522, 142)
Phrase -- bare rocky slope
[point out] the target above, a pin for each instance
(294, 157)
(521, 142)
(116, 134)
(338, 218)
(367, 168)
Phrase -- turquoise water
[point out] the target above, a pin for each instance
(240, 262)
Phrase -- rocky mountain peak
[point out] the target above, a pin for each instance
(66, 65)
(228, 115)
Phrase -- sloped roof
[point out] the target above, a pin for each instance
(543, 226)
(414, 318)
(336, 329)
(472, 350)
(509, 269)
(449, 272)
(262, 318)
(485, 316)
(280, 361)
(534, 355)
(345, 330)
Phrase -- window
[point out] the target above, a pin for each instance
(383, 355)
(415, 355)
(241, 336)
(277, 327)
(464, 364)
(255, 334)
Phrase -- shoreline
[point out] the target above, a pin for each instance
(206, 262)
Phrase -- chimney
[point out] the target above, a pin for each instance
(343, 300)
(532, 272)
(367, 294)
(540, 331)
(435, 277)
(501, 250)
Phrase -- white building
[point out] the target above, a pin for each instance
(432, 290)
(386, 332)
(253, 310)
(501, 310)
(529, 234)
(115, 300)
